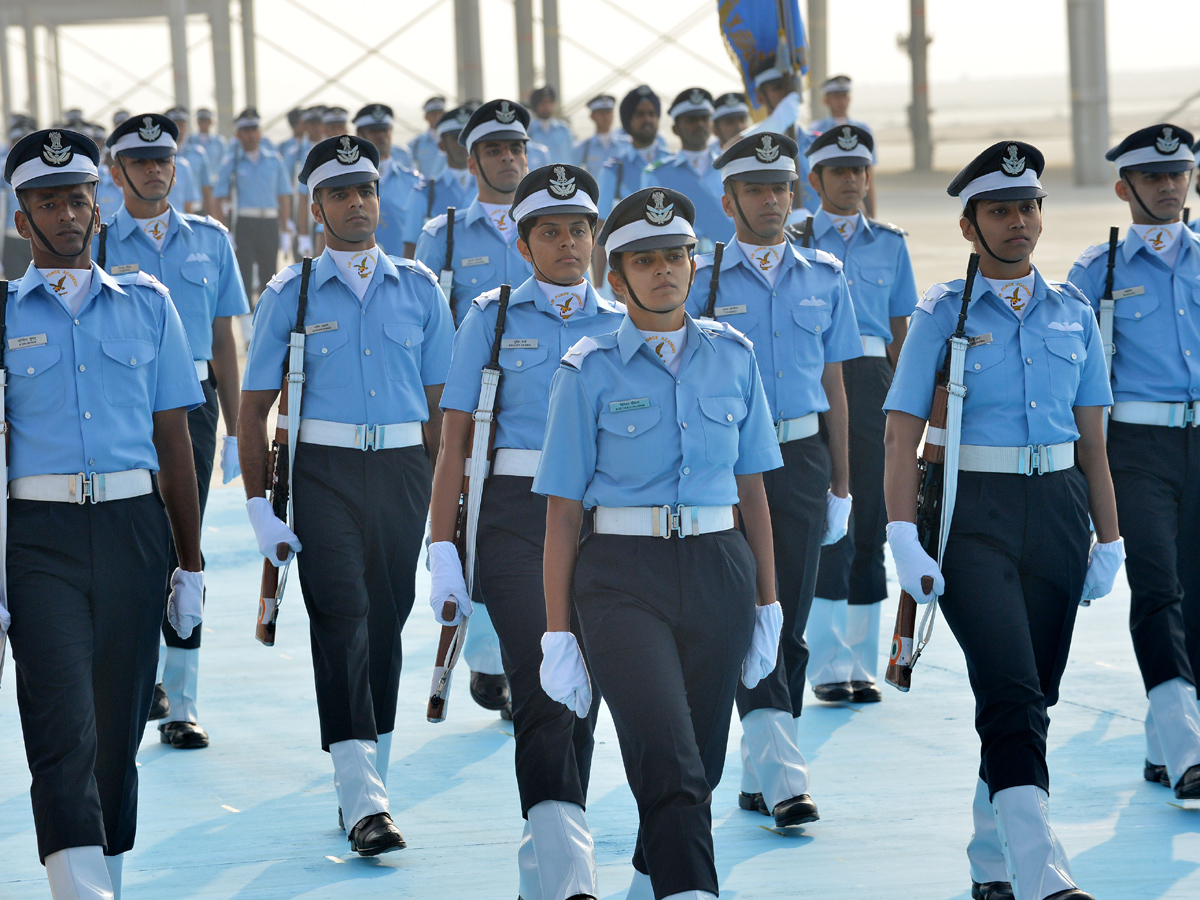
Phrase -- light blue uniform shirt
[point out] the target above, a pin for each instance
(203, 168)
(196, 263)
(878, 271)
(1156, 332)
(483, 260)
(705, 192)
(396, 191)
(528, 370)
(109, 197)
(186, 188)
(622, 174)
(556, 135)
(259, 184)
(215, 145)
(431, 198)
(1022, 384)
(82, 396)
(365, 362)
(591, 153)
(293, 151)
(427, 155)
(804, 322)
(624, 431)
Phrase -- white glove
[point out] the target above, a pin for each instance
(446, 574)
(230, 467)
(912, 562)
(270, 531)
(764, 644)
(285, 242)
(564, 676)
(185, 603)
(837, 517)
(1103, 562)
(304, 244)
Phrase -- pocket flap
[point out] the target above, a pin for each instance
(325, 342)
(519, 359)
(815, 319)
(199, 272)
(726, 410)
(983, 357)
(130, 353)
(403, 333)
(33, 360)
(1067, 348)
(630, 423)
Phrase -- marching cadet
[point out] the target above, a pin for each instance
(378, 347)
(640, 111)
(426, 148)
(290, 148)
(781, 94)
(731, 115)
(203, 168)
(690, 171)
(254, 183)
(843, 627)
(667, 625)
(554, 134)
(100, 382)
(1154, 434)
(192, 256)
(592, 152)
(453, 186)
(554, 210)
(1017, 561)
(835, 94)
(396, 180)
(795, 306)
(335, 121)
(215, 144)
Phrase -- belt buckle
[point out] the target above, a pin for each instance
(781, 430)
(86, 488)
(1037, 460)
(664, 520)
(366, 437)
(1189, 414)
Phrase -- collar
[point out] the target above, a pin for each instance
(734, 256)
(678, 159)
(32, 279)
(529, 292)
(1132, 243)
(1041, 291)
(326, 268)
(630, 340)
(823, 223)
(475, 212)
(125, 224)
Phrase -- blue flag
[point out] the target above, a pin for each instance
(753, 34)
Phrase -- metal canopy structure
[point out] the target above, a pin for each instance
(34, 16)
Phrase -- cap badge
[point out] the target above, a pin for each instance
(55, 153)
(348, 155)
(505, 114)
(1165, 142)
(462, 117)
(561, 185)
(656, 212)
(768, 152)
(1013, 165)
(378, 114)
(149, 131)
(847, 140)
(696, 97)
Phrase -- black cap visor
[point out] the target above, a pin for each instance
(1167, 165)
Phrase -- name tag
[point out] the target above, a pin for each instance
(729, 310)
(978, 339)
(626, 405)
(1128, 292)
(30, 340)
(125, 270)
(518, 344)
(475, 261)
(320, 329)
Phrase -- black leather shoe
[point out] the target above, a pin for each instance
(1071, 894)
(376, 834)
(834, 693)
(1156, 774)
(1188, 787)
(183, 735)
(753, 803)
(160, 706)
(581, 897)
(991, 890)
(865, 692)
(489, 691)
(796, 811)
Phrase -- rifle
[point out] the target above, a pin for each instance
(711, 306)
(1187, 214)
(936, 494)
(446, 276)
(452, 638)
(3, 469)
(806, 235)
(1108, 305)
(279, 466)
(102, 253)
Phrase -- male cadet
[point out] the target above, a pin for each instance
(781, 95)
(396, 180)
(835, 94)
(795, 306)
(731, 115)
(335, 122)
(203, 168)
(255, 184)
(554, 133)
(214, 144)
(843, 627)
(292, 148)
(622, 175)
(99, 384)
(690, 171)
(192, 256)
(378, 346)
(455, 186)
(1154, 433)
(592, 152)
(426, 148)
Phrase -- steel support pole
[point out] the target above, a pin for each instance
(6, 101)
(553, 70)
(469, 50)
(249, 59)
(817, 32)
(918, 111)
(218, 21)
(1089, 90)
(524, 11)
(53, 74)
(31, 70)
(177, 14)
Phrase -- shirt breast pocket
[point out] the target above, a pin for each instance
(326, 359)
(473, 280)
(1065, 356)
(721, 418)
(985, 383)
(128, 375)
(38, 383)
(629, 442)
(202, 276)
(812, 323)
(743, 322)
(525, 376)
(403, 350)
(1130, 316)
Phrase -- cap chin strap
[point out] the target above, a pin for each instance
(691, 278)
(328, 227)
(1145, 208)
(133, 187)
(746, 222)
(87, 235)
(483, 172)
(979, 234)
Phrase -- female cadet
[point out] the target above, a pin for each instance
(555, 214)
(658, 431)
(1017, 561)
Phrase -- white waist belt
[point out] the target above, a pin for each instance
(873, 345)
(523, 463)
(1144, 412)
(98, 487)
(257, 212)
(1035, 459)
(797, 429)
(662, 521)
(201, 369)
(360, 437)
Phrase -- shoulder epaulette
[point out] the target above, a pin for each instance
(438, 221)
(610, 306)
(1066, 289)
(888, 226)
(829, 259)
(416, 265)
(579, 352)
(1091, 253)
(215, 223)
(703, 260)
(14, 285)
(937, 292)
(144, 279)
(487, 297)
(724, 329)
(283, 276)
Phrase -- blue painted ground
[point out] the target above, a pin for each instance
(254, 816)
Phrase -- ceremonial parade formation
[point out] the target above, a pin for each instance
(642, 409)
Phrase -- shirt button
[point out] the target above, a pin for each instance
(87, 415)
(881, 281)
(683, 424)
(521, 362)
(372, 393)
(1181, 312)
(779, 374)
(82, 368)
(133, 360)
(631, 429)
(324, 349)
(473, 280)
(1028, 361)
(91, 462)
(408, 343)
(1033, 403)
(1073, 356)
(29, 371)
(1187, 352)
(849, 281)
(206, 281)
(817, 329)
(76, 321)
(777, 334)
(1137, 315)
(687, 470)
(728, 417)
(367, 351)
(978, 367)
